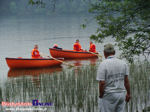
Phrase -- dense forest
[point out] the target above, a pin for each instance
(23, 7)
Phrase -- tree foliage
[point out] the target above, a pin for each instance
(127, 21)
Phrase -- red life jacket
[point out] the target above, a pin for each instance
(76, 47)
(35, 53)
(92, 48)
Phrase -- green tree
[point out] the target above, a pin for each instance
(127, 21)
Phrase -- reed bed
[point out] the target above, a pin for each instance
(140, 87)
(76, 90)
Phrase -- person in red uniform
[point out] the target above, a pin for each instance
(35, 52)
(77, 46)
(92, 47)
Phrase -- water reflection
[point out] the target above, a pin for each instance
(33, 72)
(79, 63)
(82, 62)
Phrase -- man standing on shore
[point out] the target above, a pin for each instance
(114, 88)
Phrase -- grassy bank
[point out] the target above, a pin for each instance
(76, 90)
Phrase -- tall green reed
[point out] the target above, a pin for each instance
(140, 86)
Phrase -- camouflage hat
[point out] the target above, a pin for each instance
(109, 48)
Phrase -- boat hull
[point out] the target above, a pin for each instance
(14, 63)
(71, 54)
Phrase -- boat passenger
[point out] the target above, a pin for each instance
(77, 46)
(35, 52)
(92, 47)
(56, 47)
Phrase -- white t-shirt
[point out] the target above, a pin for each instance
(112, 71)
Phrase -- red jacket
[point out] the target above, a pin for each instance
(35, 53)
(76, 47)
(92, 48)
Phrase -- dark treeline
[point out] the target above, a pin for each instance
(22, 7)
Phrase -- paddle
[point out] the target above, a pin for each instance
(97, 55)
(65, 63)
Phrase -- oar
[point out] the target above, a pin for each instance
(68, 64)
(96, 55)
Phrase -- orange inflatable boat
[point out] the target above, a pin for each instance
(14, 63)
(71, 54)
